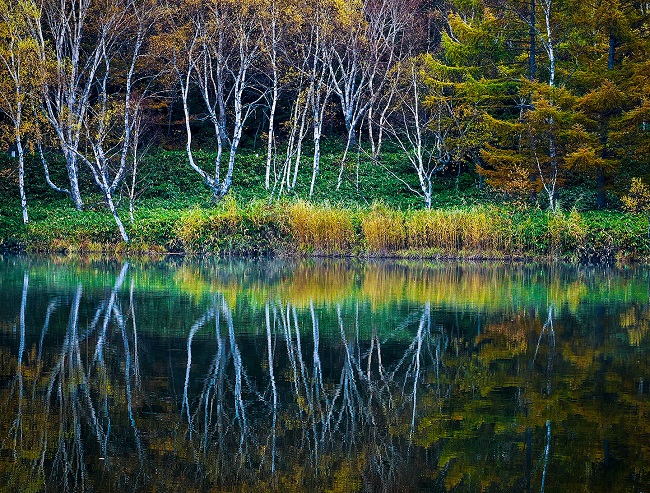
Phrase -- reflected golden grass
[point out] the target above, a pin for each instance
(380, 284)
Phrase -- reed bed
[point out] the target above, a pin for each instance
(321, 229)
(384, 229)
(484, 229)
(304, 228)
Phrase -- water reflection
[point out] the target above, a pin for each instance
(319, 377)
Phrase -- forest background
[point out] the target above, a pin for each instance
(463, 128)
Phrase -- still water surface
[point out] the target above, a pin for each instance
(184, 375)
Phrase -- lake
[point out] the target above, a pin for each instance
(196, 375)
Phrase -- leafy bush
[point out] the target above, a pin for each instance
(638, 199)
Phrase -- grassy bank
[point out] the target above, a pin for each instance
(374, 216)
(302, 228)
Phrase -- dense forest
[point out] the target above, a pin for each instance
(528, 101)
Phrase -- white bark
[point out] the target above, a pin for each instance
(420, 134)
(13, 101)
(271, 41)
(218, 59)
(111, 144)
(66, 94)
(361, 60)
(546, 35)
(320, 93)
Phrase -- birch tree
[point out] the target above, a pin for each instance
(394, 32)
(297, 57)
(220, 48)
(19, 72)
(545, 110)
(271, 33)
(364, 49)
(320, 59)
(72, 59)
(111, 123)
(411, 126)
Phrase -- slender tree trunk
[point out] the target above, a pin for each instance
(348, 143)
(269, 144)
(274, 102)
(73, 176)
(427, 200)
(612, 52)
(319, 103)
(550, 48)
(533, 35)
(316, 168)
(301, 136)
(118, 221)
(134, 174)
(21, 178)
(226, 183)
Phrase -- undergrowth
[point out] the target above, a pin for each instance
(303, 228)
(369, 217)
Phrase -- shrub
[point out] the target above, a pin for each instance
(638, 199)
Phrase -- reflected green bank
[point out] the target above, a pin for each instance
(253, 375)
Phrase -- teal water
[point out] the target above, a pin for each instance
(251, 375)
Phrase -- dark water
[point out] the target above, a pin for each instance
(189, 376)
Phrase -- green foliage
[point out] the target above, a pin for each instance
(299, 227)
(156, 227)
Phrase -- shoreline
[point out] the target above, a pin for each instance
(302, 230)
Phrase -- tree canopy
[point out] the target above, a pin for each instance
(535, 97)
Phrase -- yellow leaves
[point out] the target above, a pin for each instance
(638, 198)
(602, 101)
(510, 172)
(546, 97)
(349, 13)
(20, 64)
(584, 158)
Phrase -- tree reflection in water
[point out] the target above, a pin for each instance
(295, 392)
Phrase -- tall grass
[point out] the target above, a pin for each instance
(566, 232)
(384, 229)
(305, 228)
(232, 228)
(320, 229)
(481, 229)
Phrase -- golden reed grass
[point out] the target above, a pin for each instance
(485, 231)
(320, 229)
(481, 229)
(384, 229)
